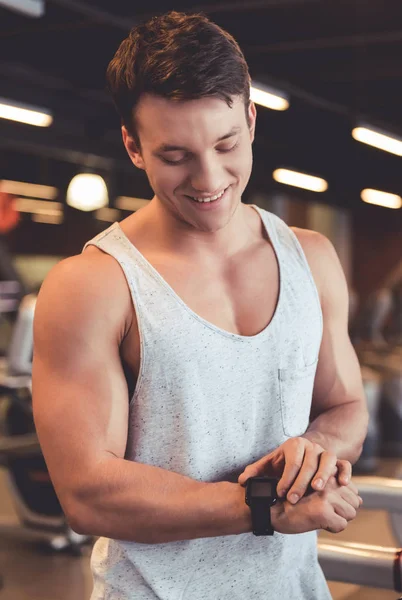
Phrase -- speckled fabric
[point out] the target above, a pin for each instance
(207, 403)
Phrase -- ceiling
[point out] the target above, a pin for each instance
(340, 61)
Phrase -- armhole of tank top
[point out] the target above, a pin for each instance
(134, 296)
(303, 256)
(271, 229)
(136, 307)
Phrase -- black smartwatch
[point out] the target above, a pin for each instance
(261, 494)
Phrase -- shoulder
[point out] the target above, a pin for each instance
(314, 244)
(83, 291)
(323, 262)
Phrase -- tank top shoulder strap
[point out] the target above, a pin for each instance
(287, 243)
(298, 286)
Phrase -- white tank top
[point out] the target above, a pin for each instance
(207, 403)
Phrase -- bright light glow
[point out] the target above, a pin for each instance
(30, 8)
(33, 190)
(87, 192)
(260, 94)
(378, 139)
(108, 214)
(49, 219)
(300, 180)
(131, 204)
(39, 207)
(381, 198)
(24, 114)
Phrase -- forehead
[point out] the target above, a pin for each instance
(188, 122)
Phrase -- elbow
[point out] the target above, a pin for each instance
(78, 516)
(358, 449)
(356, 454)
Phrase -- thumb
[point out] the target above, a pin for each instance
(250, 471)
(254, 470)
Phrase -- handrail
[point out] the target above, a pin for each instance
(382, 493)
(361, 564)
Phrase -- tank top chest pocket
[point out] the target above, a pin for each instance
(296, 391)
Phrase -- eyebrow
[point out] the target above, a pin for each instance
(173, 148)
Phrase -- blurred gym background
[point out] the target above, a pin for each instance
(327, 79)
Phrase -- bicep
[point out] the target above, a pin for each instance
(338, 377)
(80, 396)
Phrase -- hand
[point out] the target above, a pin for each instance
(299, 463)
(330, 509)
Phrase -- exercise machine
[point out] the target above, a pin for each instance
(40, 517)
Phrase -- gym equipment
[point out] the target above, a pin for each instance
(368, 460)
(40, 516)
(361, 564)
(366, 564)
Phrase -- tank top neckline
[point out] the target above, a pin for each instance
(267, 223)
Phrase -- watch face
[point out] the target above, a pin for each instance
(262, 489)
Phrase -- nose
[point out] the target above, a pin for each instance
(207, 177)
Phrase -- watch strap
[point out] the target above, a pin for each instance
(261, 518)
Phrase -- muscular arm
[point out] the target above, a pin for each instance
(80, 402)
(339, 413)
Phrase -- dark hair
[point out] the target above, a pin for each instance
(180, 57)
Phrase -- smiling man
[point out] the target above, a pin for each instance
(248, 407)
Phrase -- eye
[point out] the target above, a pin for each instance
(172, 162)
(228, 149)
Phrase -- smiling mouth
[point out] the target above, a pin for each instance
(210, 199)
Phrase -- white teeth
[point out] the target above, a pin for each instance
(211, 199)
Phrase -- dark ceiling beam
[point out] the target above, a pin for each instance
(347, 41)
(359, 73)
(52, 144)
(234, 6)
(344, 71)
(96, 14)
(28, 74)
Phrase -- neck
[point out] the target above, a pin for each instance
(176, 235)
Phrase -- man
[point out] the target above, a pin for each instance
(230, 323)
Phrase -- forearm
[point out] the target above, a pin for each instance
(136, 502)
(341, 430)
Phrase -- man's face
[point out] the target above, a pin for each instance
(195, 150)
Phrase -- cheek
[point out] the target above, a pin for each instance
(241, 164)
(170, 180)
(165, 179)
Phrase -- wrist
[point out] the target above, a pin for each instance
(237, 515)
(316, 438)
(277, 516)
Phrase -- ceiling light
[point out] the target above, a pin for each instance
(131, 204)
(378, 139)
(29, 205)
(23, 113)
(261, 94)
(29, 8)
(87, 192)
(108, 214)
(20, 188)
(381, 198)
(300, 180)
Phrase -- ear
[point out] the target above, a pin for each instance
(132, 149)
(252, 117)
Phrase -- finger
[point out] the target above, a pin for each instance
(294, 456)
(306, 474)
(326, 468)
(352, 486)
(345, 510)
(344, 471)
(335, 523)
(349, 496)
(254, 470)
